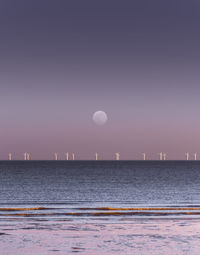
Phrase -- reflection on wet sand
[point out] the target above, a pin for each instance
(143, 237)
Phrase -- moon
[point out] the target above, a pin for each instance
(100, 118)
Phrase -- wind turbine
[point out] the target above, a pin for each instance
(117, 155)
(187, 155)
(144, 155)
(28, 156)
(56, 155)
(96, 156)
(161, 155)
(67, 156)
(10, 156)
(25, 156)
(73, 156)
(195, 156)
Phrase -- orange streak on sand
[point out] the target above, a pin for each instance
(102, 214)
(23, 209)
(109, 209)
(144, 209)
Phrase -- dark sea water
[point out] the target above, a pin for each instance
(82, 189)
(78, 204)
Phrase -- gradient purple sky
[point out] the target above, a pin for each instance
(60, 61)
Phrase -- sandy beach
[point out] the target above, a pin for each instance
(144, 237)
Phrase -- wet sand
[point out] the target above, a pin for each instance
(144, 237)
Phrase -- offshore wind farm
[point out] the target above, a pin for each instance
(116, 156)
(100, 118)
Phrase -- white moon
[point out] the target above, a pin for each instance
(100, 118)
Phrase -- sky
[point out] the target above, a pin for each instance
(137, 60)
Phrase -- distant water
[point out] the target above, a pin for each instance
(100, 207)
(98, 190)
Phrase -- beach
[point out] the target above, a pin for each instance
(104, 207)
(140, 237)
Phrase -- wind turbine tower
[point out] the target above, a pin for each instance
(10, 156)
(56, 156)
(28, 156)
(161, 155)
(67, 156)
(96, 156)
(73, 156)
(25, 156)
(117, 156)
(144, 155)
(187, 156)
(195, 156)
(164, 156)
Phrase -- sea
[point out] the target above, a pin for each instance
(99, 207)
